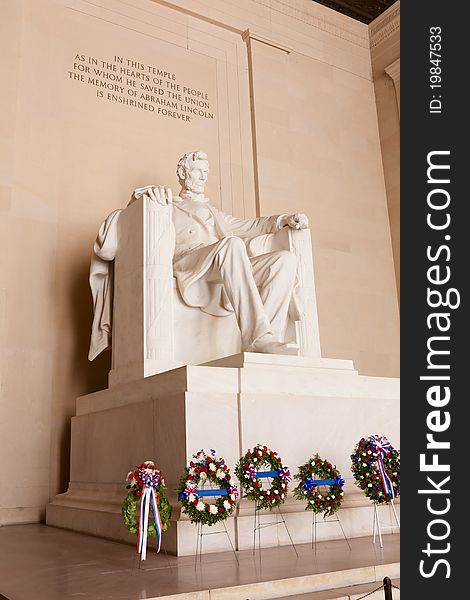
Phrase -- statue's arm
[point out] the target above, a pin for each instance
(248, 228)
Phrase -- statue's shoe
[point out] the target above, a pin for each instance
(274, 347)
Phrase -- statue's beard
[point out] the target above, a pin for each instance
(196, 188)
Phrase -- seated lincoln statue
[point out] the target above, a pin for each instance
(219, 262)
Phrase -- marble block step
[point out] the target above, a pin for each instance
(248, 373)
(245, 359)
(354, 592)
(303, 587)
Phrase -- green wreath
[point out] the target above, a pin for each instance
(248, 469)
(207, 469)
(135, 486)
(375, 465)
(320, 498)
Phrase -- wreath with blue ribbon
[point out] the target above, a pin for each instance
(250, 473)
(147, 486)
(321, 485)
(376, 468)
(207, 469)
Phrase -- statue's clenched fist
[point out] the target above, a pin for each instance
(157, 193)
(295, 221)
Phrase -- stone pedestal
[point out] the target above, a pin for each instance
(295, 405)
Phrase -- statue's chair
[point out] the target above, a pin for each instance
(154, 330)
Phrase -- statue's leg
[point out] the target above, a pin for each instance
(233, 268)
(275, 276)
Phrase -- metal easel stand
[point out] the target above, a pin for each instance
(377, 530)
(199, 540)
(258, 526)
(325, 520)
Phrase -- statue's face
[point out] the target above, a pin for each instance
(196, 177)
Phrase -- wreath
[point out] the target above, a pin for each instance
(250, 474)
(326, 501)
(145, 475)
(207, 469)
(376, 468)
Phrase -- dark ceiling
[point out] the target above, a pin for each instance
(361, 10)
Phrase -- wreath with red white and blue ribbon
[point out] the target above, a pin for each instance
(262, 464)
(375, 465)
(147, 486)
(207, 476)
(321, 485)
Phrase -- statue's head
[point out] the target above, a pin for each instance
(193, 171)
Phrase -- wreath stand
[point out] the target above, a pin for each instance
(257, 521)
(317, 483)
(200, 537)
(377, 530)
(325, 520)
(200, 533)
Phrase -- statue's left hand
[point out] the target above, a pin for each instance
(159, 194)
(296, 221)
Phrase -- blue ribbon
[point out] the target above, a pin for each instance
(198, 493)
(263, 474)
(311, 483)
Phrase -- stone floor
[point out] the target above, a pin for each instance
(44, 563)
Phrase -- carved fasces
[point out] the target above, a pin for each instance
(159, 244)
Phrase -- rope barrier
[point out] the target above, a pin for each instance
(376, 590)
(381, 587)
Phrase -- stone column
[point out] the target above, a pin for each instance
(393, 71)
(270, 108)
(267, 67)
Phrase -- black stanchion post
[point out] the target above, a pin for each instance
(388, 588)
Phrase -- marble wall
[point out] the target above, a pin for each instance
(385, 55)
(294, 127)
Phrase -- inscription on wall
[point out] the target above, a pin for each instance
(141, 86)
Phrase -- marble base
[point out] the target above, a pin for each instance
(296, 405)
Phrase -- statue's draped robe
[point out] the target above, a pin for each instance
(198, 228)
(101, 284)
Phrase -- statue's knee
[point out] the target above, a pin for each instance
(289, 259)
(235, 244)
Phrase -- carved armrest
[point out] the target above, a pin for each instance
(299, 242)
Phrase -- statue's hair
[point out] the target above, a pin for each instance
(187, 160)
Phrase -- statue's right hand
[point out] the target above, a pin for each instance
(159, 194)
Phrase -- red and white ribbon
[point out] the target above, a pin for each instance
(383, 447)
(148, 498)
